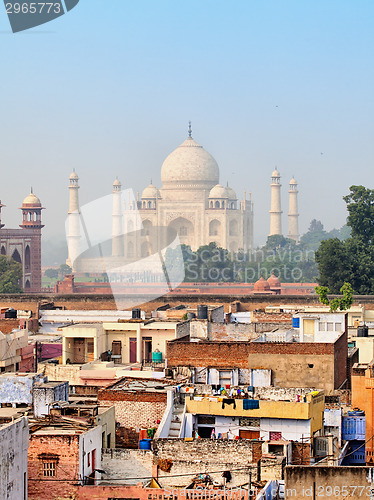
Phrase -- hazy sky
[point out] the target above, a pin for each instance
(109, 88)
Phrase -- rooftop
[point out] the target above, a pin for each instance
(143, 385)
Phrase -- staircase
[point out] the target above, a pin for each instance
(176, 421)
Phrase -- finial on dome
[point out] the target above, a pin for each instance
(189, 129)
(31, 190)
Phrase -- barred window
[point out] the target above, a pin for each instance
(49, 468)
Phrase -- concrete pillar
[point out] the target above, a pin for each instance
(139, 344)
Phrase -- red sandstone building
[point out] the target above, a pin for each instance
(24, 245)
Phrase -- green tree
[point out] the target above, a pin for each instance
(360, 206)
(10, 276)
(337, 303)
(351, 260)
(63, 270)
(51, 273)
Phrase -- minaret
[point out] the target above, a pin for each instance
(1, 206)
(117, 221)
(293, 215)
(275, 208)
(32, 259)
(74, 235)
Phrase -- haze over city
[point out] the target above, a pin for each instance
(109, 91)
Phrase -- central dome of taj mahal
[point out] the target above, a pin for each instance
(190, 166)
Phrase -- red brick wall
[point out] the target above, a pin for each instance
(8, 325)
(234, 354)
(67, 449)
(134, 411)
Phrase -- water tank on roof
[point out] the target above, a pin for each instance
(157, 357)
(362, 331)
(136, 314)
(202, 312)
(11, 313)
(145, 444)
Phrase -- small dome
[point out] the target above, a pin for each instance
(151, 192)
(73, 175)
(31, 199)
(261, 285)
(231, 193)
(275, 173)
(274, 281)
(293, 181)
(117, 182)
(218, 192)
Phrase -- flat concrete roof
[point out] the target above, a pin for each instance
(144, 385)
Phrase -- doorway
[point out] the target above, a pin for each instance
(147, 348)
(133, 350)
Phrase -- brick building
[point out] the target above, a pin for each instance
(292, 364)
(61, 459)
(24, 245)
(139, 404)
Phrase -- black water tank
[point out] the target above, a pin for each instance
(11, 313)
(202, 312)
(136, 314)
(362, 331)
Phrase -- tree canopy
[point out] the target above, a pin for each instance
(351, 260)
(10, 275)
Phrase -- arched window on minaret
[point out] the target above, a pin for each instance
(3, 251)
(16, 256)
(27, 258)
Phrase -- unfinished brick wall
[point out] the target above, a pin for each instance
(301, 453)
(66, 448)
(134, 411)
(228, 354)
(341, 359)
(205, 456)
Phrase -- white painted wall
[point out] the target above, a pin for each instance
(14, 444)
(89, 441)
(291, 429)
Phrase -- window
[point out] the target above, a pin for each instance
(49, 468)
(206, 420)
(338, 327)
(330, 327)
(322, 326)
(88, 459)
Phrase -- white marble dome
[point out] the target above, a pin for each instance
(231, 193)
(151, 192)
(275, 173)
(73, 175)
(218, 192)
(190, 166)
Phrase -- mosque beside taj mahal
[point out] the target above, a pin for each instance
(191, 201)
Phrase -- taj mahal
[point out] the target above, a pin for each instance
(191, 201)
